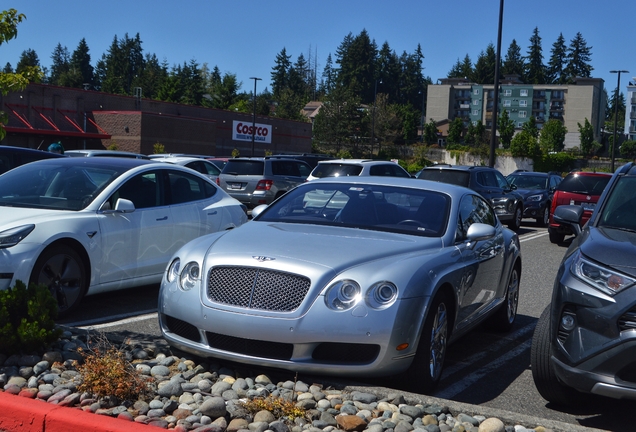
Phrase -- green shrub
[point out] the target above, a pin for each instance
(628, 149)
(27, 319)
(559, 162)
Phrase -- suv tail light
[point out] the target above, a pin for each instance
(264, 185)
(218, 182)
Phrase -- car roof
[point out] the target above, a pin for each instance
(588, 173)
(530, 173)
(447, 188)
(459, 167)
(354, 161)
(30, 151)
(106, 153)
(177, 159)
(127, 163)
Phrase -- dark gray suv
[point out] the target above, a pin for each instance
(490, 183)
(256, 181)
(585, 340)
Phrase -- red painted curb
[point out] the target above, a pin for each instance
(20, 414)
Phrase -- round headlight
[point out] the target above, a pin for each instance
(189, 276)
(173, 270)
(381, 295)
(343, 295)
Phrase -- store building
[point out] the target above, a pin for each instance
(85, 119)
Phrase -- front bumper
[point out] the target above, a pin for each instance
(358, 342)
(598, 355)
(17, 262)
(533, 210)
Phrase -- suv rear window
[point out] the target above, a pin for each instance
(584, 184)
(456, 177)
(333, 170)
(244, 167)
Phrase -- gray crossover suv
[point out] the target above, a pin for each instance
(585, 340)
(256, 181)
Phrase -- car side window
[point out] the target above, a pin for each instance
(143, 190)
(286, 168)
(184, 187)
(473, 209)
(501, 180)
(304, 170)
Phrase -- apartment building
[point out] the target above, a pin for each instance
(570, 104)
(630, 111)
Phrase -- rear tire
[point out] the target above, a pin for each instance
(504, 318)
(546, 381)
(62, 270)
(556, 238)
(515, 223)
(426, 369)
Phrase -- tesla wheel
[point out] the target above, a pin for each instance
(515, 223)
(544, 220)
(62, 270)
(426, 369)
(504, 318)
(546, 381)
(556, 238)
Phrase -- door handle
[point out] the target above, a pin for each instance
(163, 218)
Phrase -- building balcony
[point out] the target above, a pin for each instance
(632, 115)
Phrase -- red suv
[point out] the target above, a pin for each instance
(577, 188)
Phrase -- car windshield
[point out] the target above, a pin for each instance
(373, 207)
(619, 210)
(528, 182)
(456, 177)
(336, 170)
(54, 186)
(584, 184)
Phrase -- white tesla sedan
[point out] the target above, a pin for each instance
(89, 225)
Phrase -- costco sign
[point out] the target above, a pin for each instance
(242, 131)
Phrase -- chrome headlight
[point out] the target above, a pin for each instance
(599, 277)
(173, 270)
(382, 295)
(13, 236)
(532, 198)
(189, 276)
(343, 295)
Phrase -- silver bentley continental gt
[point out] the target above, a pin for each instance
(357, 277)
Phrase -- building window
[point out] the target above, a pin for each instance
(506, 103)
(476, 102)
(523, 92)
(476, 91)
(520, 124)
(522, 114)
(475, 112)
(508, 92)
(523, 103)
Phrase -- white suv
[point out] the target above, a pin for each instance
(357, 167)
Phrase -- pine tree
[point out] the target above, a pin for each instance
(558, 59)
(280, 72)
(81, 61)
(485, 66)
(61, 64)
(28, 59)
(513, 63)
(535, 70)
(578, 59)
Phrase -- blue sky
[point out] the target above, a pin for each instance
(244, 37)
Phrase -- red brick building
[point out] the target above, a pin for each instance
(42, 114)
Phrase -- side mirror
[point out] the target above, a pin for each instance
(569, 215)
(124, 206)
(479, 231)
(258, 210)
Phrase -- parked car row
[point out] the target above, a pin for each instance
(357, 269)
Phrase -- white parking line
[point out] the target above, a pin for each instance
(457, 388)
(121, 319)
(532, 236)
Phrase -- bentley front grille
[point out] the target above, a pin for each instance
(255, 288)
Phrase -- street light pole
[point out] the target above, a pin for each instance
(254, 113)
(495, 108)
(422, 121)
(618, 88)
(375, 95)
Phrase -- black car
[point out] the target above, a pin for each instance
(585, 340)
(11, 157)
(489, 182)
(537, 189)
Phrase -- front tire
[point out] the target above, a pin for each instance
(426, 369)
(504, 318)
(546, 381)
(515, 223)
(62, 270)
(545, 219)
